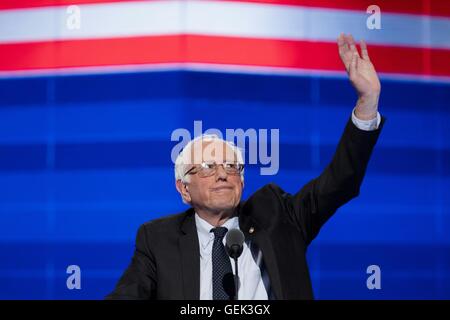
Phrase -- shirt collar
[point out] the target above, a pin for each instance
(204, 228)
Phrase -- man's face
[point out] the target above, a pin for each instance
(220, 191)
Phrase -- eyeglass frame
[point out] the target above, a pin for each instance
(239, 172)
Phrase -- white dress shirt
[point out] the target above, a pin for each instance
(251, 285)
(366, 125)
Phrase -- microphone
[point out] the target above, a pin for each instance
(235, 245)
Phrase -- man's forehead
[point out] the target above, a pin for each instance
(211, 150)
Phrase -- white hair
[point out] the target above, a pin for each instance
(184, 157)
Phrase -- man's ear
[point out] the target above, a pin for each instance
(183, 190)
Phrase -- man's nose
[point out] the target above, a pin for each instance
(221, 173)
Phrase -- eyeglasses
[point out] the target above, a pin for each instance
(207, 169)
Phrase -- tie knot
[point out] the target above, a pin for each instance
(219, 232)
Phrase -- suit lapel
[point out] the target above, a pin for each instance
(190, 257)
(259, 237)
(262, 241)
(190, 254)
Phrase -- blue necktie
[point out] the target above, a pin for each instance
(222, 274)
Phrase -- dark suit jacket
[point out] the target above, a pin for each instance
(166, 261)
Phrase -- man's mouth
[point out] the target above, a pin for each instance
(222, 188)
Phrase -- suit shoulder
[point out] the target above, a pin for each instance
(165, 223)
(268, 196)
(270, 189)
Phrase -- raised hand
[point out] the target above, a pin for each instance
(362, 75)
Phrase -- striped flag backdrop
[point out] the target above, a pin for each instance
(91, 91)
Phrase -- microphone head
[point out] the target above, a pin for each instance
(235, 243)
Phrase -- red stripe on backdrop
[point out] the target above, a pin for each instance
(215, 50)
(92, 52)
(426, 7)
(422, 7)
(21, 4)
(313, 55)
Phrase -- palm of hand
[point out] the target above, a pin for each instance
(360, 69)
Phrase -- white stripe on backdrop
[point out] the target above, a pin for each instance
(131, 19)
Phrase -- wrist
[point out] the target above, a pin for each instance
(367, 107)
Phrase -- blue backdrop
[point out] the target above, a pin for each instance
(85, 159)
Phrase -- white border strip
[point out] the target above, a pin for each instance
(206, 67)
(217, 18)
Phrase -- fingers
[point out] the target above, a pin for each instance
(341, 41)
(351, 43)
(364, 52)
(349, 52)
(342, 46)
(353, 65)
(344, 51)
(341, 38)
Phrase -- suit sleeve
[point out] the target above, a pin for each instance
(341, 180)
(139, 280)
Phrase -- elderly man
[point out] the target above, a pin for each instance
(183, 256)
